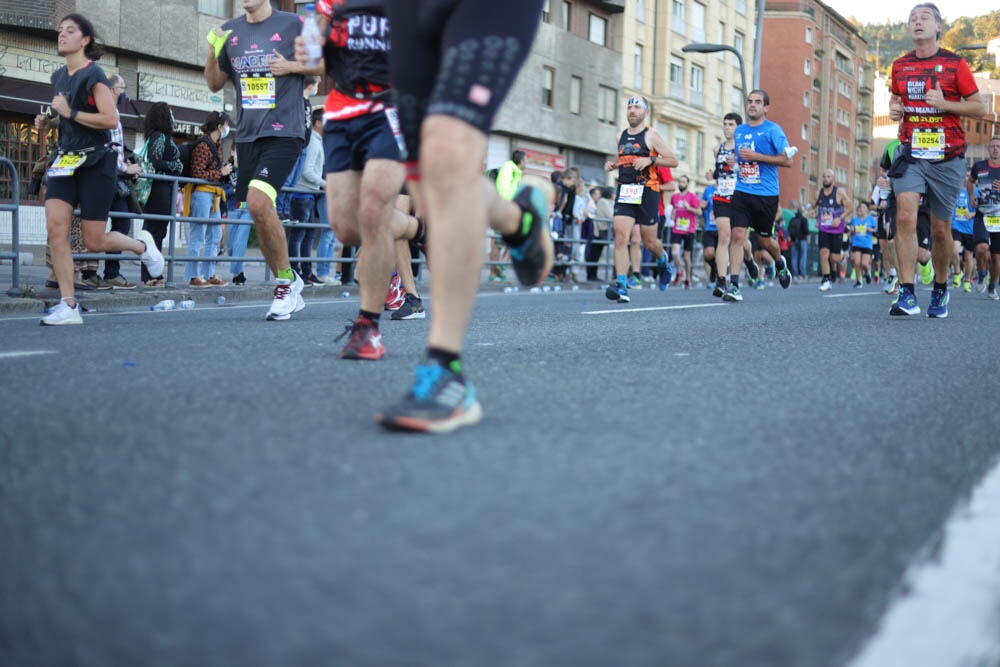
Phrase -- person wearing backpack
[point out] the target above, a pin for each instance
(165, 157)
(206, 201)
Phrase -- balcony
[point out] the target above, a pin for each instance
(863, 140)
(865, 87)
(864, 114)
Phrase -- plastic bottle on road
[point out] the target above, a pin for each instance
(311, 36)
(187, 304)
(166, 304)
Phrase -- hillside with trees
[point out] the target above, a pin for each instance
(888, 41)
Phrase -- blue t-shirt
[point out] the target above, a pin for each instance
(862, 230)
(758, 178)
(709, 211)
(960, 220)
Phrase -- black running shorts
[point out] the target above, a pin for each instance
(458, 58)
(265, 163)
(91, 187)
(754, 211)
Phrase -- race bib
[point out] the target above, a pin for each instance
(749, 172)
(861, 230)
(992, 223)
(257, 92)
(726, 185)
(927, 144)
(962, 212)
(682, 224)
(630, 194)
(65, 164)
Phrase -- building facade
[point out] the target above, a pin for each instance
(814, 66)
(564, 108)
(689, 93)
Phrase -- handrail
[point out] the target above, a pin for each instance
(14, 255)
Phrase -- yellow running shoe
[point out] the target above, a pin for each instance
(926, 273)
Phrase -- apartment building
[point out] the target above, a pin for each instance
(814, 66)
(689, 93)
(566, 106)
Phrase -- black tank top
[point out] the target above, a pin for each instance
(630, 148)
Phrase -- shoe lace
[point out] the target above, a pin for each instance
(426, 377)
(282, 291)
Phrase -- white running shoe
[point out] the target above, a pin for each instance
(287, 299)
(825, 286)
(60, 314)
(151, 256)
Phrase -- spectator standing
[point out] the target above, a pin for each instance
(166, 159)
(207, 201)
(303, 206)
(126, 173)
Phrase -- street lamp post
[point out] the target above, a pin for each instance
(698, 47)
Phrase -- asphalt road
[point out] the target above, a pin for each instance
(711, 485)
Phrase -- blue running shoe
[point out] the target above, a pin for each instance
(634, 282)
(532, 259)
(440, 401)
(664, 275)
(611, 292)
(939, 304)
(905, 303)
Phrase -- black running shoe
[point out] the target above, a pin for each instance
(752, 269)
(239, 279)
(784, 275)
(532, 259)
(412, 309)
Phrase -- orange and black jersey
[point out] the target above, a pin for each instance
(632, 146)
(912, 77)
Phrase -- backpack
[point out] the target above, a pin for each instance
(143, 186)
(186, 150)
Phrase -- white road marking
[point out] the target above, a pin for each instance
(950, 611)
(25, 353)
(641, 310)
(842, 296)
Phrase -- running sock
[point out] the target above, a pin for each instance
(943, 286)
(521, 235)
(372, 317)
(445, 359)
(721, 281)
(287, 274)
(714, 275)
(892, 273)
(908, 286)
(734, 281)
(88, 274)
(622, 281)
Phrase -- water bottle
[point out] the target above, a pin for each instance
(166, 304)
(311, 37)
(221, 301)
(187, 304)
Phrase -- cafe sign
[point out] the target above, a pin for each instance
(178, 92)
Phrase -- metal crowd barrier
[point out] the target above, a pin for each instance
(15, 241)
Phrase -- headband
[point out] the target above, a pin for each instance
(638, 101)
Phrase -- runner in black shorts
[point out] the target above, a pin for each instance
(82, 172)
(640, 150)
(985, 175)
(272, 126)
(364, 175)
(452, 66)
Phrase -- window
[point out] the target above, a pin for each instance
(843, 117)
(699, 148)
(842, 146)
(681, 144)
(19, 143)
(841, 175)
(844, 88)
(598, 30)
(805, 164)
(807, 68)
(637, 67)
(805, 99)
(719, 88)
(696, 83)
(548, 86)
(575, 94)
(805, 131)
(640, 11)
(214, 7)
(736, 100)
(676, 77)
(721, 55)
(678, 22)
(741, 7)
(564, 17)
(607, 104)
(843, 63)
(809, 35)
(738, 41)
(698, 22)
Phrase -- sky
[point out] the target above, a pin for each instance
(880, 11)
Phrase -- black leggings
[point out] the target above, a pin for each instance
(458, 58)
